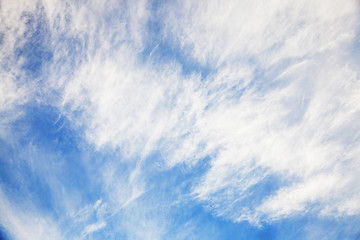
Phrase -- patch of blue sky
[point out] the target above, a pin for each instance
(161, 49)
(183, 217)
(2, 35)
(71, 53)
(354, 48)
(43, 158)
(309, 226)
(36, 53)
(193, 222)
(206, 226)
(3, 235)
(170, 191)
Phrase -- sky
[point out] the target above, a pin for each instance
(189, 119)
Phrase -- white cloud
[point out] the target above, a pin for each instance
(265, 31)
(93, 228)
(27, 223)
(298, 119)
(282, 100)
(298, 132)
(295, 121)
(13, 92)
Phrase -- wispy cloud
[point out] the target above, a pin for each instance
(26, 222)
(123, 111)
(93, 228)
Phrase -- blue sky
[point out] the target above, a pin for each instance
(179, 120)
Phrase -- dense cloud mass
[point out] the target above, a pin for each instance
(164, 119)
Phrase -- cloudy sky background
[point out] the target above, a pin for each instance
(179, 119)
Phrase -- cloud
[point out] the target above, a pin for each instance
(26, 223)
(267, 32)
(93, 228)
(295, 132)
(265, 96)
(294, 120)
